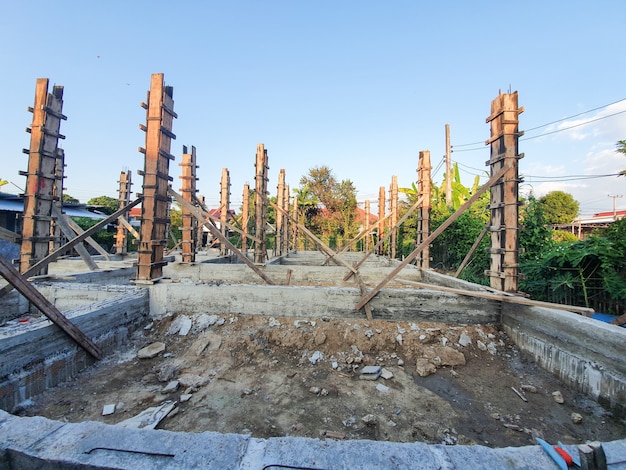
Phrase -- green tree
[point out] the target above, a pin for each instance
(69, 199)
(559, 207)
(106, 204)
(338, 199)
(535, 237)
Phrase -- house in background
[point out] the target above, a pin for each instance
(582, 228)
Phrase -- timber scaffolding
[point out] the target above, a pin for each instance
(157, 195)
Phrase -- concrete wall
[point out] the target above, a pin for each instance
(316, 302)
(582, 352)
(40, 355)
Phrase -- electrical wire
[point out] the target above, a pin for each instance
(550, 123)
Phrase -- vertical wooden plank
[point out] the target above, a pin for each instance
(280, 218)
(286, 195)
(503, 272)
(225, 208)
(188, 191)
(260, 206)
(367, 225)
(381, 218)
(41, 174)
(295, 221)
(245, 217)
(124, 192)
(155, 205)
(423, 214)
(393, 220)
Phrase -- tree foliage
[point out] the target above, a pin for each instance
(69, 199)
(338, 198)
(106, 204)
(559, 207)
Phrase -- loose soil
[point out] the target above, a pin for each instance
(294, 377)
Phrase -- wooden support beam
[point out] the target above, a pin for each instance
(200, 215)
(245, 217)
(34, 269)
(77, 229)
(35, 297)
(470, 253)
(232, 227)
(8, 235)
(363, 289)
(423, 212)
(382, 240)
(260, 207)
(434, 235)
(129, 227)
(328, 251)
(69, 233)
(501, 296)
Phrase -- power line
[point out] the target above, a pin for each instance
(548, 124)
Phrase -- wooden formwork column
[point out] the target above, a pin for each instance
(260, 206)
(188, 191)
(156, 180)
(504, 120)
(200, 232)
(57, 190)
(125, 184)
(245, 217)
(381, 218)
(367, 225)
(294, 227)
(423, 211)
(225, 208)
(280, 217)
(393, 220)
(285, 249)
(41, 174)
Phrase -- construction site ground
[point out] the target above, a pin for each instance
(295, 377)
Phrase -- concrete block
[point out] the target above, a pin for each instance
(370, 373)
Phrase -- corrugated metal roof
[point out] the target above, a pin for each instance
(17, 205)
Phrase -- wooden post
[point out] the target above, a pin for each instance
(381, 218)
(423, 212)
(188, 191)
(155, 206)
(295, 221)
(393, 220)
(367, 225)
(448, 168)
(200, 232)
(245, 217)
(280, 218)
(125, 183)
(285, 235)
(57, 190)
(41, 174)
(504, 120)
(224, 208)
(493, 180)
(260, 206)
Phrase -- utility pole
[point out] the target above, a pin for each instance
(615, 196)
(448, 168)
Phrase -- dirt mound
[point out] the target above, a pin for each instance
(290, 376)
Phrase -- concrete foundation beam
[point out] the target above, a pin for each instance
(35, 443)
(39, 356)
(582, 352)
(315, 302)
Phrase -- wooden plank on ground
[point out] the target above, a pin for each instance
(501, 296)
(38, 300)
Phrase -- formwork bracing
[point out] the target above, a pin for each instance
(423, 211)
(188, 191)
(156, 179)
(381, 218)
(504, 203)
(41, 176)
(260, 206)
(393, 207)
(281, 219)
(125, 182)
(245, 216)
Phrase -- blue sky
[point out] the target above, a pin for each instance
(359, 86)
